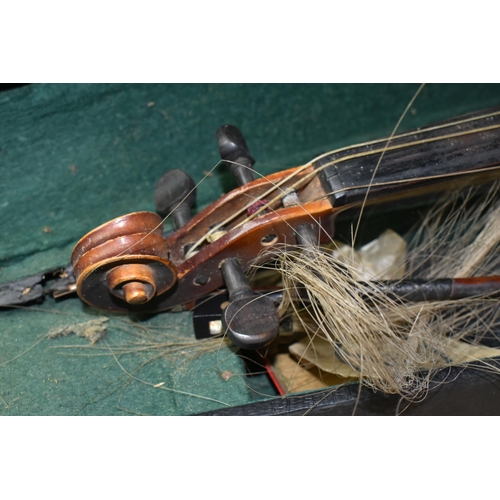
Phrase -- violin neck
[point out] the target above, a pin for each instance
(447, 155)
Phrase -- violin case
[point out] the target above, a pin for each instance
(75, 156)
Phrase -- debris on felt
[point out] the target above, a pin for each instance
(92, 330)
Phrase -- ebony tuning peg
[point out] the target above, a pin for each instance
(233, 149)
(175, 194)
(251, 320)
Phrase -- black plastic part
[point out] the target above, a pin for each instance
(425, 163)
(33, 289)
(234, 150)
(175, 194)
(60, 282)
(251, 320)
(22, 292)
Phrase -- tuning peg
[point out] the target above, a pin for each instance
(175, 194)
(251, 320)
(233, 149)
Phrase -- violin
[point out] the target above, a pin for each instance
(130, 265)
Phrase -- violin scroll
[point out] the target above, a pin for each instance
(123, 263)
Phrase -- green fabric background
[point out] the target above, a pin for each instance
(75, 156)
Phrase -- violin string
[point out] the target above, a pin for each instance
(306, 178)
(432, 128)
(277, 186)
(388, 183)
(374, 152)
